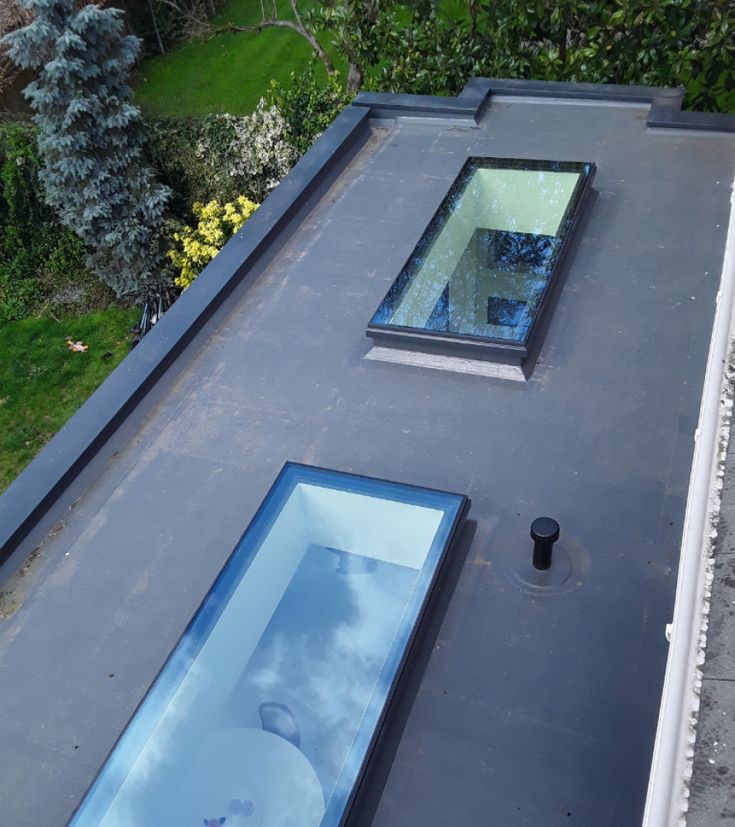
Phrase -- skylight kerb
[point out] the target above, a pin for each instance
(482, 278)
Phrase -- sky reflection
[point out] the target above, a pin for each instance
(266, 709)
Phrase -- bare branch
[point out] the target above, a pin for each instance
(296, 14)
(192, 11)
(152, 10)
(275, 23)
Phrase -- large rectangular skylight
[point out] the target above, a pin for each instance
(483, 270)
(268, 707)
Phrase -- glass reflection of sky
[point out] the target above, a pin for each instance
(483, 265)
(266, 709)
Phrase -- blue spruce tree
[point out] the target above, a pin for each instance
(91, 139)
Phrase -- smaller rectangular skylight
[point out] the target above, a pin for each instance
(482, 274)
(268, 707)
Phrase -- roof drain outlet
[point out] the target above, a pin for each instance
(544, 532)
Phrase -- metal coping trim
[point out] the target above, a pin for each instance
(665, 102)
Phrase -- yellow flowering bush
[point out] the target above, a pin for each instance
(197, 246)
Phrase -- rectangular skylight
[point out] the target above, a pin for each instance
(268, 707)
(483, 271)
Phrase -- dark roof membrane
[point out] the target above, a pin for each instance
(537, 702)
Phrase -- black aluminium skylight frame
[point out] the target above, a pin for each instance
(478, 346)
(99, 799)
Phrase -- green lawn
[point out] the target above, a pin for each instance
(227, 73)
(42, 383)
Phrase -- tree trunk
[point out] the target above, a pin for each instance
(209, 6)
(155, 27)
(563, 44)
(473, 7)
(305, 33)
(354, 77)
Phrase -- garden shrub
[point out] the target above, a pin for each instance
(42, 264)
(172, 150)
(220, 157)
(429, 48)
(307, 106)
(420, 46)
(197, 246)
(22, 206)
(668, 43)
(23, 216)
(261, 153)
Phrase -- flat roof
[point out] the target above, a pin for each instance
(536, 704)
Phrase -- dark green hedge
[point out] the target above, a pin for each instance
(42, 264)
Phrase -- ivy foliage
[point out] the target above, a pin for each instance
(91, 140)
(307, 105)
(42, 263)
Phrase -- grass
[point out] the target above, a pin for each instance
(42, 383)
(225, 73)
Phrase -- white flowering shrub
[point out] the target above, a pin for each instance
(263, 152)
(253, 151)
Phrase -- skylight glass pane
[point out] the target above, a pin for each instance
(485, 262)
(267, 708)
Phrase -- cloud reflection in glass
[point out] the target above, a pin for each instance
(267, 708)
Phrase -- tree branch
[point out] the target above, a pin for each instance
(296, 14)
(274, 23)
(192, 12)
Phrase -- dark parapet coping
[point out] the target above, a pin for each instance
(466, 106)
(666, 116)
(665, 102)
(578, 91)
(36, 489)
(39, 486)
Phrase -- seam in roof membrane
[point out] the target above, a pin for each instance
(673, 755)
